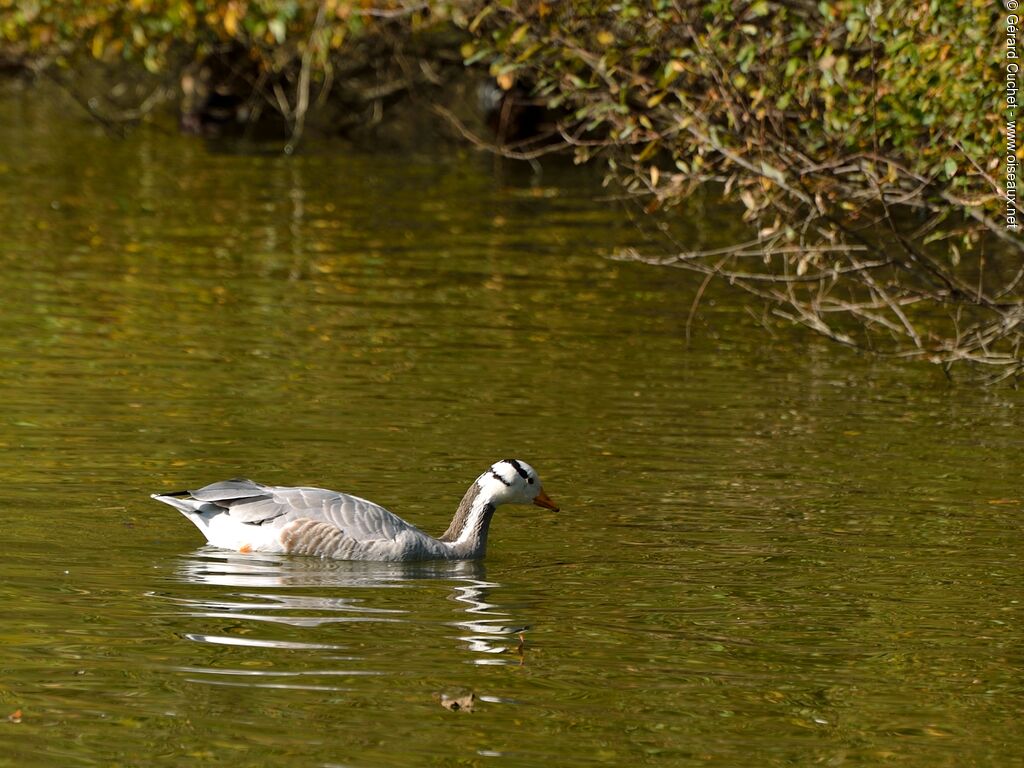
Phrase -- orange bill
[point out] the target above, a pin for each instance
(543, 500)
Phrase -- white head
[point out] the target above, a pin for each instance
(511, 481)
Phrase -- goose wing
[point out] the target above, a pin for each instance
(256, 504)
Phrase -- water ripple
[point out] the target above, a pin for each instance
(325, 620)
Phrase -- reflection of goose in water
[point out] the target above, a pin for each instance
(488, 627)
(271, 604)
(248, 517)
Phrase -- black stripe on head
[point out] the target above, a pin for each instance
(518, 468)
(498, 477)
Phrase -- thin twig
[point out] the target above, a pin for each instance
(504, 151)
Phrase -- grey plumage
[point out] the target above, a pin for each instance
(246, 501)
(237, 489)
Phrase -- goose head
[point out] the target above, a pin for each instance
(512, 481)
(509, 481)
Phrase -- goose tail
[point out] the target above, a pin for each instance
(198, 512)
(184, 504)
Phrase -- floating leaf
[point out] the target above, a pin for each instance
(459, 704)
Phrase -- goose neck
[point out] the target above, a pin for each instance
(467, 533)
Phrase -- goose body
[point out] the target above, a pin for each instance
(246, 516)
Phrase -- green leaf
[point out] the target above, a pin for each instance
(277, 29)
(519, 34)
(475, 24)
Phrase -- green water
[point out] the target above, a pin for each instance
(771, 552)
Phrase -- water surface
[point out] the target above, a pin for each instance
(771, 552)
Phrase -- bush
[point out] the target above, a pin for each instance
(861, 140)
(276, 56)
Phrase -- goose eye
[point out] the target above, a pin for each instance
(530, 480)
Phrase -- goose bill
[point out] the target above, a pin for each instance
(543, 500)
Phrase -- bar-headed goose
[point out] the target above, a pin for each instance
(248, 517)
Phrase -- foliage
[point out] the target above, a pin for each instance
(287, 52)
(272, 31)
(823, 120)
